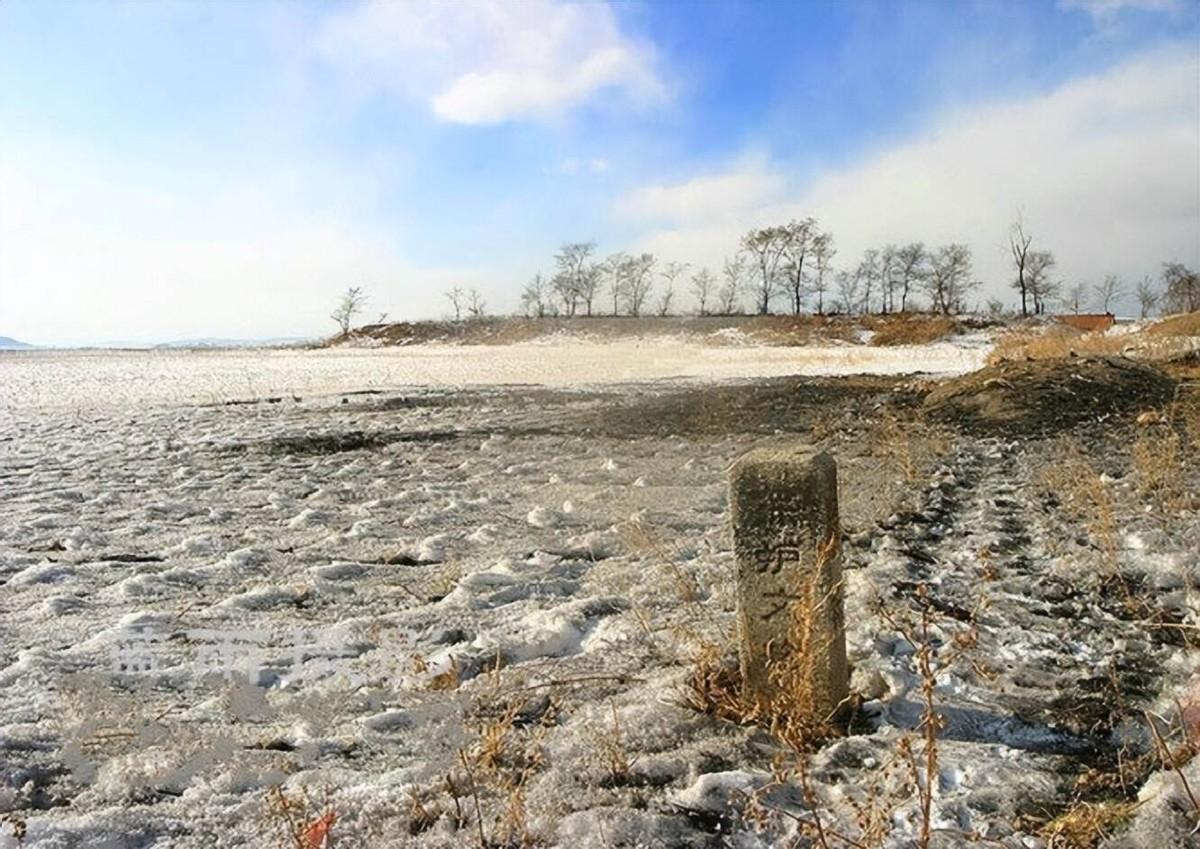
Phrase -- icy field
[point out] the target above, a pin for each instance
(88, 379)
(447, 618)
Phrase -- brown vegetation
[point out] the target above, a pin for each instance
(1183, 324)
(893, 329)
(1162, 341)
(911, 328)
(1047, 396)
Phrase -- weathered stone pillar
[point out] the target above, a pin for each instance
(789, 568)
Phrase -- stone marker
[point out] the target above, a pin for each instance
(789, 569)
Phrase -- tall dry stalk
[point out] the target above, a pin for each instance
(930, 660)
(795, 710)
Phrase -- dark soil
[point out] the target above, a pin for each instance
(1041, 397)
(337, 442)
(780, 405)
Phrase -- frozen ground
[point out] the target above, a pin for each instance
(89, 379)
(443, 613)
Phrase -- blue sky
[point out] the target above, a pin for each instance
(187, 169)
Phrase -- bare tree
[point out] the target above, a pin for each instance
(1181, 288)
(912, 267)
(703, 286)
(458, 299)
(888, 278)
(666, 299)
(847, 286)
(1038, 284)
(533, 297)
(589, 284)
(797, 238)
(563, 287)
(639, 281)
(1075, 297)
(765, 248)
(476, 305)
(822, 252)
(615, 268)
(573, 282)
(1147, 295)
(729, 297)
(1018, 245)
(1108, 291)
(350, 305)
(949, 278)
(670, 273)
(868, 276)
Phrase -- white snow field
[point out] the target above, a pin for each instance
(436, 613)
(77, 379)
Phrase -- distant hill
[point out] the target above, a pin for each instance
(218, 342)
(205, 342)
(9, 344)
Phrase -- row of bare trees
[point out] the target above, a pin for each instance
(467, 303)
(794, 261)
(1179, 290)
(626, 282)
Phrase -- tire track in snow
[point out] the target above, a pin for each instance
(1059, 663)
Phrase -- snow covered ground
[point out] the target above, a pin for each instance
(435, 613)
(88, 379)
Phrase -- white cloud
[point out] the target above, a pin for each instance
(95, 254)
(575, 165)
(1105, 170)
(1105, 12)
(704, 198)
(491, 61)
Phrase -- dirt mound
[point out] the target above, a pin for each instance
(781, 330)
(912, 328)
(1046, 396)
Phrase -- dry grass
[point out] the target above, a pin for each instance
(866, 819)
(1055, 342)
(911, 328)
(1183, 324)
(1159, 468)
(301, 823)
(791, 710)
(499, 766)
(799, 329)
(422, 813)
(1106, 795)
(1163, 341)
(1172, 756)
(714, 686)
(896, 443)
(795, 708)
(642, 540)
(1163, 452)
(610, 745)
(1084, 496)
(931, 658)
(483, 796)
(1184, 368)
(1185, 411)
(1084, 825)
(16, 825)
